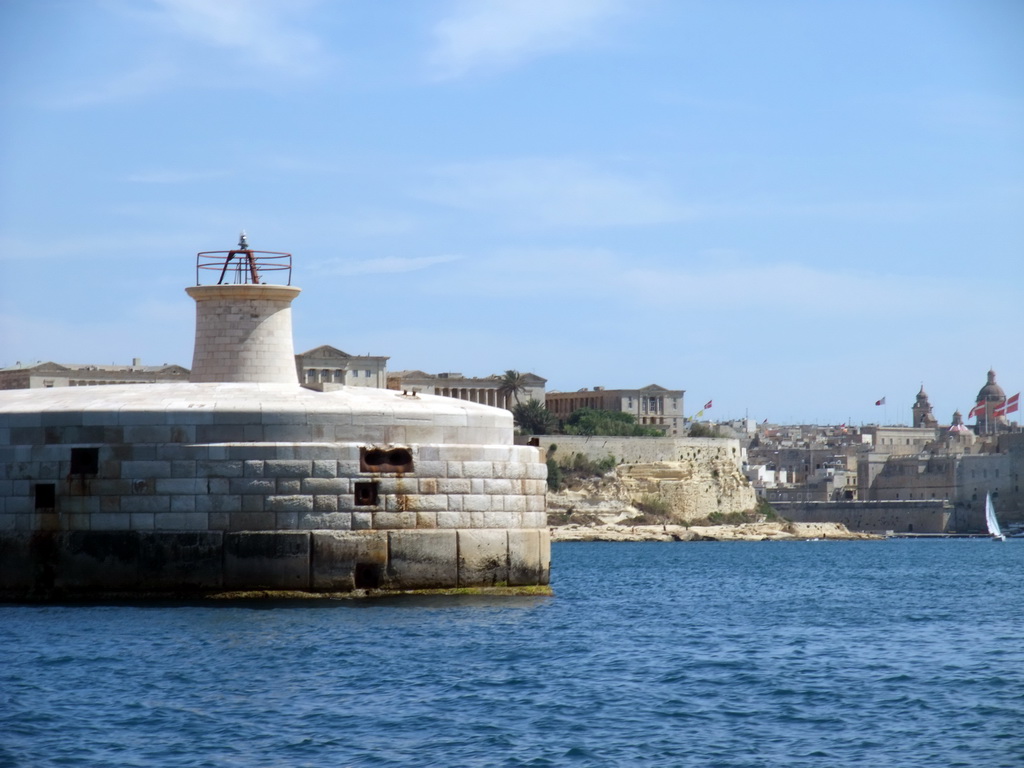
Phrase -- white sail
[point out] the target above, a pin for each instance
(990, 518)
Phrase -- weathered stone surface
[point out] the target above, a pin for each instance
(483, 558)
(344, 561)
(693, 489)
(266, 560)
(180, 561)
(95, 561)
(423, 559)
(18, 566)
(524, 553)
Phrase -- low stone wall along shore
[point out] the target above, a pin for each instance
(748, 532)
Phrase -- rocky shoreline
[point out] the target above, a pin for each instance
(767, 531)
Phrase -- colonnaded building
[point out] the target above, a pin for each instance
(487, 390)
(652, 405)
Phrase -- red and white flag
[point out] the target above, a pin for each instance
(977, 410)
(880, 402)
(707, 405)
(1011, 404)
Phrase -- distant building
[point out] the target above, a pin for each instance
(327, 365)
(922, 411)
(476, 390)
(990, 416)
(652, 405)
(49, 374)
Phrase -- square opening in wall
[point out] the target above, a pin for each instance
(366, 494)
(85, 461)
(46, 495)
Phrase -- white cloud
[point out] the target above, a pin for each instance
(499, 34)
(387, 265)
(192, 43)
(259, 30)
(542, 192)
(150, 77)
(175, 177)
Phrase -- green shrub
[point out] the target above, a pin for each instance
(554, 476)
(655, 506)
(576, 467)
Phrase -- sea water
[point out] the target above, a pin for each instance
(861, 653)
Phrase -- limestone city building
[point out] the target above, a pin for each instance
(923, 478)
(652, 405)
(327, 365)
(49, 374)
(486, 390)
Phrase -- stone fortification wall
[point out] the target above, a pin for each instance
(924, 516)
(695, 490)
(279, 486)
(697, 477)
(206, 487)
(89, 563)
(642, 450)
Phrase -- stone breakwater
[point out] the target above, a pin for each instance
(774, 531)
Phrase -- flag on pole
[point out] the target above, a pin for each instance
(698, 414)
(880, 402)
(977, 410)
(1011, 404)
(999, 411)
(707, 405)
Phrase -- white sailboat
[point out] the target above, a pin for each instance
(990, 519)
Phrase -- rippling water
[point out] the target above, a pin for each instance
(884, 653)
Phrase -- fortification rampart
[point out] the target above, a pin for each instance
(698, 478)
(924, 516)
(644, 450)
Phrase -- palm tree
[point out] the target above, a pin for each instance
(533, 418)
(512, 383)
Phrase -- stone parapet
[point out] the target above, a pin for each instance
(919, 516)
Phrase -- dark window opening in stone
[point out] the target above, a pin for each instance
(381, 460)
(46, 495)
(85, 461)
(367, 576)
(366, 494)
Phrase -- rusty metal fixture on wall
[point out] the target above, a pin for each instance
(385, 460)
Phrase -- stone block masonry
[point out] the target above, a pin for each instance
(192, 516)
(243, 333)
(487, 499)
(57, 565)
(241, 480)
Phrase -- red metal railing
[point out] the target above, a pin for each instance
(243, 266)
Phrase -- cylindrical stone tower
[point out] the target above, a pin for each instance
(244, 329)
(244, 333)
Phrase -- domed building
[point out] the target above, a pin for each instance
(958, 438)
(241, 481)
(990, 398)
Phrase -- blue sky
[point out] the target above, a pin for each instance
(791, 208)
